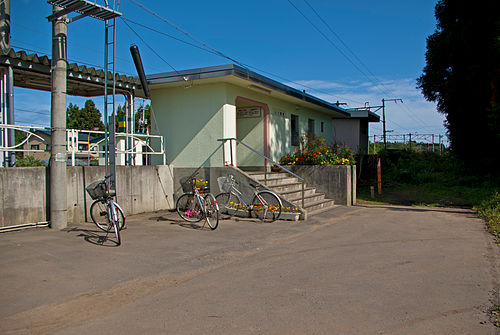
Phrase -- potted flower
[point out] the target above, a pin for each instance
(290, 213)
(275, 168)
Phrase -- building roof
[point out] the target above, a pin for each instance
(258, 83)
(33, 71)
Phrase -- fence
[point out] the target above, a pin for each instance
(85, 145)
(410, 141)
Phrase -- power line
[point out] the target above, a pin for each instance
(34, 112)
(150, 48)
(375, 79)
(216, 52)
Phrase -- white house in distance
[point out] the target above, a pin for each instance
(196, 108)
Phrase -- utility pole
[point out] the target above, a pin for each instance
(58, 201)
(60, 9)
(383, 117)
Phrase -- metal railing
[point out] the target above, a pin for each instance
(94, 143)
(266, 159)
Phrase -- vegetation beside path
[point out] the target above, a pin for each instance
(431, 179)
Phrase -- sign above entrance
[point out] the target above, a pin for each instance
(248, 112)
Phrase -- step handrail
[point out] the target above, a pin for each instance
(266, 158)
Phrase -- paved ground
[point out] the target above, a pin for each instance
(358, 270)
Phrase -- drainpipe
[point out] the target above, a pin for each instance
(11, 138)
(5, 45)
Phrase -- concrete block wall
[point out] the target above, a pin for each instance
(337, 182)
(24, 192)
(23, 195)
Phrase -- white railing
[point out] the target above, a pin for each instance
(128, 146)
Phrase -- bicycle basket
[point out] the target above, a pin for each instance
(187, 184)
(97, 189)
(225, 184)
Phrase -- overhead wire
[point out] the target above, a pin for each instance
(375, 79)
(216, 52)
(149, 47)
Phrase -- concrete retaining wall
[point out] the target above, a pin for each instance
(337, 182)
(24, 191)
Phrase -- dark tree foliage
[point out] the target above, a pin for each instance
(86, 118)
(462, 75)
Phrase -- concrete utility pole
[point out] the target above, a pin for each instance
(383, 117)
(58, 201)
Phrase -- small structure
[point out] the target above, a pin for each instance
(194, 108)
(353, 132)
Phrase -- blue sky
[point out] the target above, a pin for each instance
(380, 53)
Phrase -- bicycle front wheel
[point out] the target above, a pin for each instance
(211, 211)
(188, 207)
(99, 215)
(266, 206)
(115, 221)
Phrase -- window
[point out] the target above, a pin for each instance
(310, 126)
(35, 147)
(322, 126)
(294, 128)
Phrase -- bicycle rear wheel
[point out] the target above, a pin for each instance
(99, 215)
(211, 211)
(188, 207)
(266, 206)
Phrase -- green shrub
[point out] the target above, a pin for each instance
(489, 210)
(29, 161)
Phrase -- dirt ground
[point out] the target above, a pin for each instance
(351, 270)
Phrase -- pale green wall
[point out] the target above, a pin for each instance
(191, 121)
(280, 141)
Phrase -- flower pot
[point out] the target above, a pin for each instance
(289, 216)
(237, 212)
(275, 169)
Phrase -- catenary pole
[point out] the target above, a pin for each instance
(58, 202)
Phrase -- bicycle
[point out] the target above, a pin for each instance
(192, 206)
(106, 214)
(266, 205)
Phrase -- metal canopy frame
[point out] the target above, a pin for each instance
(84, 8)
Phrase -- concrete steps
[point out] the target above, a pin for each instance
(290, 188)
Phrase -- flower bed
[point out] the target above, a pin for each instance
(324, 155)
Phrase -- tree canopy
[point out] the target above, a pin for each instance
(462, 74)
(86, 118)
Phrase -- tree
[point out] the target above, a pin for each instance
(87, 118)
(462, 74)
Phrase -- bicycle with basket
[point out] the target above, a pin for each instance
(197, 203)
(106, 214)
(266, 205)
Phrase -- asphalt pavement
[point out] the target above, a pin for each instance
(350, 270)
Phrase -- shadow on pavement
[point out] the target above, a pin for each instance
(96, 237)
(421, 209)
